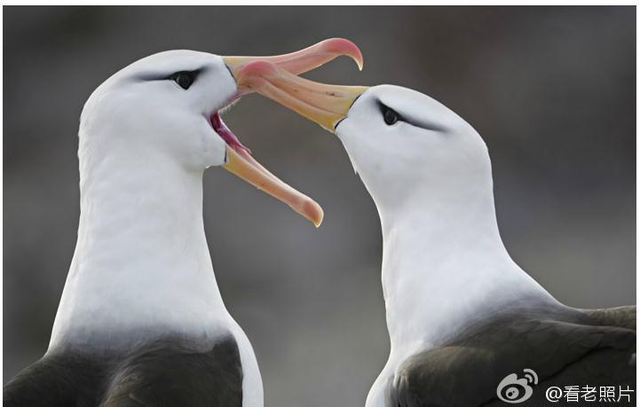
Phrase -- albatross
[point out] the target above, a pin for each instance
(141, 321)
(467, 326)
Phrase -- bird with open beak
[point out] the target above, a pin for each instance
(141, 321)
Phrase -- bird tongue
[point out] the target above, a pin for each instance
(226, 134)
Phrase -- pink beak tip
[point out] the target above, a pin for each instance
(343, 46)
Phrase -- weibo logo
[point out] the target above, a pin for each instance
(513, 389)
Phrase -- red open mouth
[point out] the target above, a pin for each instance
(225, 133)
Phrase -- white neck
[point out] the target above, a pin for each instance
(141, 266)
(445, 266)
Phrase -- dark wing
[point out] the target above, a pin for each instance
(467, 372)
(166, 374)
(623, 317)
(160, 374)
(57, 380)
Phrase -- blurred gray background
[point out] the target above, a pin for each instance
(552, 90)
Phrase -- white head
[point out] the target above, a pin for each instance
(404, 143)
(406, 146)
(164, 111)
(160, 106)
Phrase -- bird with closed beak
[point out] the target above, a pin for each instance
(462, 316)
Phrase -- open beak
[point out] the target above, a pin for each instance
(245, 71)
(324, 104)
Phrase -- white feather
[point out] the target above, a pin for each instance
(141, 267)
(444, 264)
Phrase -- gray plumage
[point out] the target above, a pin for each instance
(165, 372)
(563, 346)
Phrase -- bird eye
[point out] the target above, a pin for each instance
(390, 116)
(184, 79)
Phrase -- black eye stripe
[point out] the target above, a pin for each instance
(392, 117)
(159, 76)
